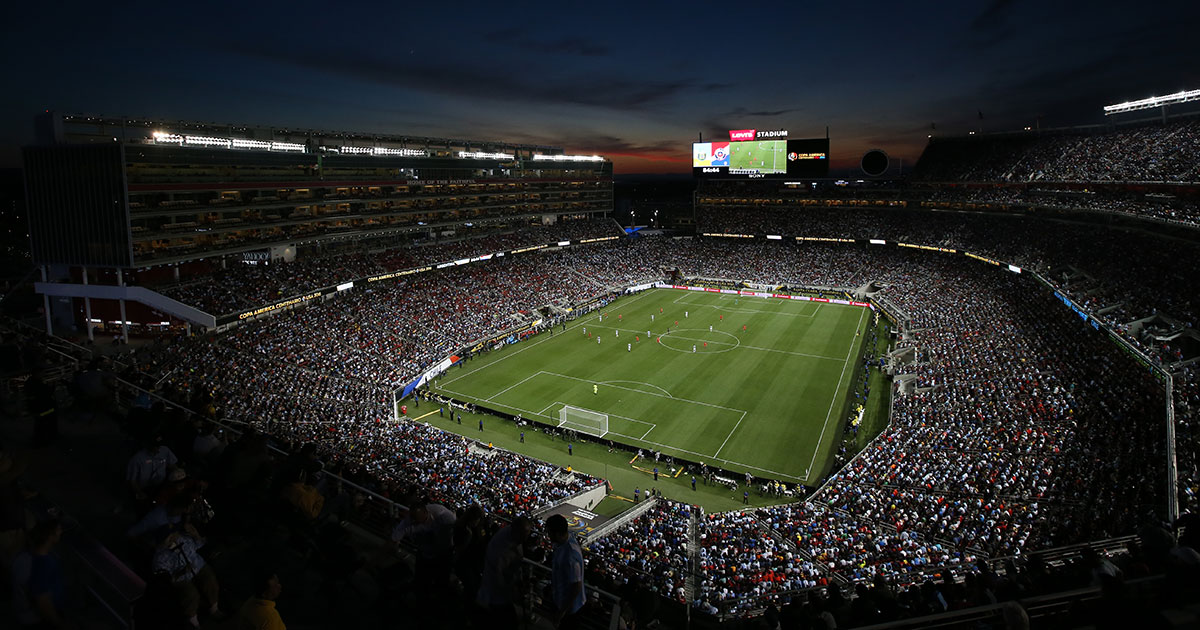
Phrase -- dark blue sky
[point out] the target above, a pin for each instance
(634, 81)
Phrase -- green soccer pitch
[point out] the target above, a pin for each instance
(768, 156)
(769, 399)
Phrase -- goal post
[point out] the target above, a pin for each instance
(584, 421)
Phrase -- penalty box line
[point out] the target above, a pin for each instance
(552, 419)
(695, 402)
(700, 456)
(580, 322)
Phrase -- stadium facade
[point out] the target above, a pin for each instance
(117, 201)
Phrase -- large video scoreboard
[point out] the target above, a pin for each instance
(755, 154)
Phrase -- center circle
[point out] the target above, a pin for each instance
(670, 341)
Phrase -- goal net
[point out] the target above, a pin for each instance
(584, 421)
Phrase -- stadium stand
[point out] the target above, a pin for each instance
(1028, 452)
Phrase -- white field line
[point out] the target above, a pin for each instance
(527, 345)
(640, 383)
(642, 391)
(731, 432)
(836, 397)
(666, 447)
(511, 386)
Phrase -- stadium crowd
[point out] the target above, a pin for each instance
(1149, 152)
(742, 564)
(987, 458)
(231, 285)
(1027, 428)
(651, 551)
(1121, 275)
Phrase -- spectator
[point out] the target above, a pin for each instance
(148, 468)
(566, 582)
(37, 579)
(500, 590)
(192, 579)
(259, 613)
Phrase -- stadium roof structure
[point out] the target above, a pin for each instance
(214, 128)
(1152, 102)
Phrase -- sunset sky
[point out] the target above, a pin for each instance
(636, 82)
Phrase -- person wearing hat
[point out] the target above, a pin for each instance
(566, 577)
(191, 578)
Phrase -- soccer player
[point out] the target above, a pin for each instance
(693, 348)
(684, 316)
(616, 333)
(597, 338)
(595, 389)
(651, 316)
(710, 328)
(628, 347)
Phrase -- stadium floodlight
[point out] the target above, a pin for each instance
(483, 155)
(567, 158)
(585, 421)
(262, 145)
(1153, 101)
(288, 146)
(208, 141)
(167, 138)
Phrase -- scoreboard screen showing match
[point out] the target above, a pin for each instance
(761, 158)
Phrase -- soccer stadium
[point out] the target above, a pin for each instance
(256, 372)
(908, 386)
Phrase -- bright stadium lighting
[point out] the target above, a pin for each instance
(568, 158)
(261, 145)
(400, 152)
(483, 155)
(162, 137)
(288, 146)
(206, 141)
(1153, 101)
(167, 138)
(346, 150)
